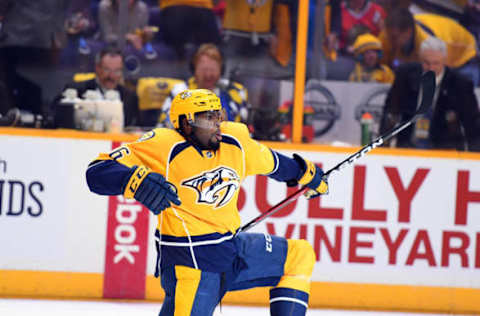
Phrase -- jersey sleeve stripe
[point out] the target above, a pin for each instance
(230, 140)
(275, 162)
(177, 149)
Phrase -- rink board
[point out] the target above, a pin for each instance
(398, 231)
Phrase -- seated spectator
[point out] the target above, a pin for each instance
(389, 5)
(152, 93)
(336, 64)
(471, 18)
(453, 121)
(451, 8)
(80, 28)
(207, 64)
(333, 29)
(31, 33)
(188, 21)
(360, 14)
(251, 28)
(108, 76)
(139, 33)
(404, 33)
(368, 52)
(344, 21)
(4, 8)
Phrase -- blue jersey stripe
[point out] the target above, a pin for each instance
(178, 149)
(230, 140)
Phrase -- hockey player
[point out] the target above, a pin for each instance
(190, 177)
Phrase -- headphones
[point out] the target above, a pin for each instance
(210, 50)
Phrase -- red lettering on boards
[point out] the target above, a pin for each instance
(393, 245)
(448, 249)
(355, 244)
(261, 189)
(359, 212)
(417, 250)
(415, 254)
(405, 195)
(464, 196)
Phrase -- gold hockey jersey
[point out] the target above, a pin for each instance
(207, 182)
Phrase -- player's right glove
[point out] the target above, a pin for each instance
(151, 189)
(312, 176)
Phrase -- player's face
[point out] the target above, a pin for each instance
(207, 72)
(109, 71)
(432, 60)
(207, 128)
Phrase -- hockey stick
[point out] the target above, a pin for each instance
(428, 90)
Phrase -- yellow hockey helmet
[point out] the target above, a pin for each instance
(193, 101)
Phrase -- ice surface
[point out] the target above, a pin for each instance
(29, 307)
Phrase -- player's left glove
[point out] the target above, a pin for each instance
(311, 176)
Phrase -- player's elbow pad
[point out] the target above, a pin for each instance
(106, 177)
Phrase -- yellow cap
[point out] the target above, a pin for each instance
(366, 42)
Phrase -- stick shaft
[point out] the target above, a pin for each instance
(350, 160)
(428, 88)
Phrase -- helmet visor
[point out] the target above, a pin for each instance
(208, 119)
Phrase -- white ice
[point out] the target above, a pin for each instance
(35, 307)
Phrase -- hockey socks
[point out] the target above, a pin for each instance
(288, 302)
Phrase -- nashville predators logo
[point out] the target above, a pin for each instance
(215, 187)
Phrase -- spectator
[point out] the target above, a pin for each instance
(188, 21)
(452, 122)
(471, 18)
(207, 67)
(368, 52)
(80, 26)
(359, 16)
(389, 5)
(253, 29)
(451, 8)
(108, 76)
(31, 32)
(138, 35)
(333, 28)
(404, 33)
(335, 65)
(5, 6)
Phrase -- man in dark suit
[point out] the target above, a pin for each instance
(453, 121)
(109, 76)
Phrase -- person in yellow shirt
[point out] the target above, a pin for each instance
(405, 32)
(367, 49)
(190, 177)
(208, 70)
(188, 21)
(250, 28)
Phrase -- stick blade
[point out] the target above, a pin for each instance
(428, 91)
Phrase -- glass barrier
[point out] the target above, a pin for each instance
(302, 71)
(164, 50)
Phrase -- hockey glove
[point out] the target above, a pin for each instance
(151, 189)
(311, 176)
